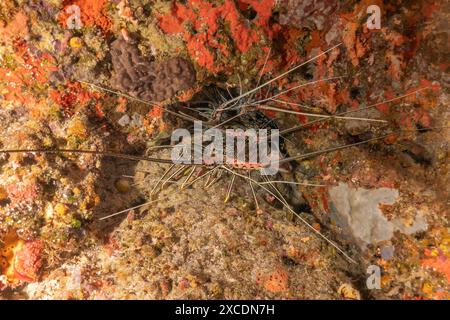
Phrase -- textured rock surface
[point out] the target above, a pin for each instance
(57, 198)
(163, 252)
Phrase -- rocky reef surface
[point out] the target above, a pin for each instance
(384, 202)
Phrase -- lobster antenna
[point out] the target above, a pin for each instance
(299, 127)
(82, 151)
(319, 152)
(149, 103)
(278, 77)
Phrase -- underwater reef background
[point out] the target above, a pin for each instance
(386, 202)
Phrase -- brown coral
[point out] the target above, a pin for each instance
(151, 81)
